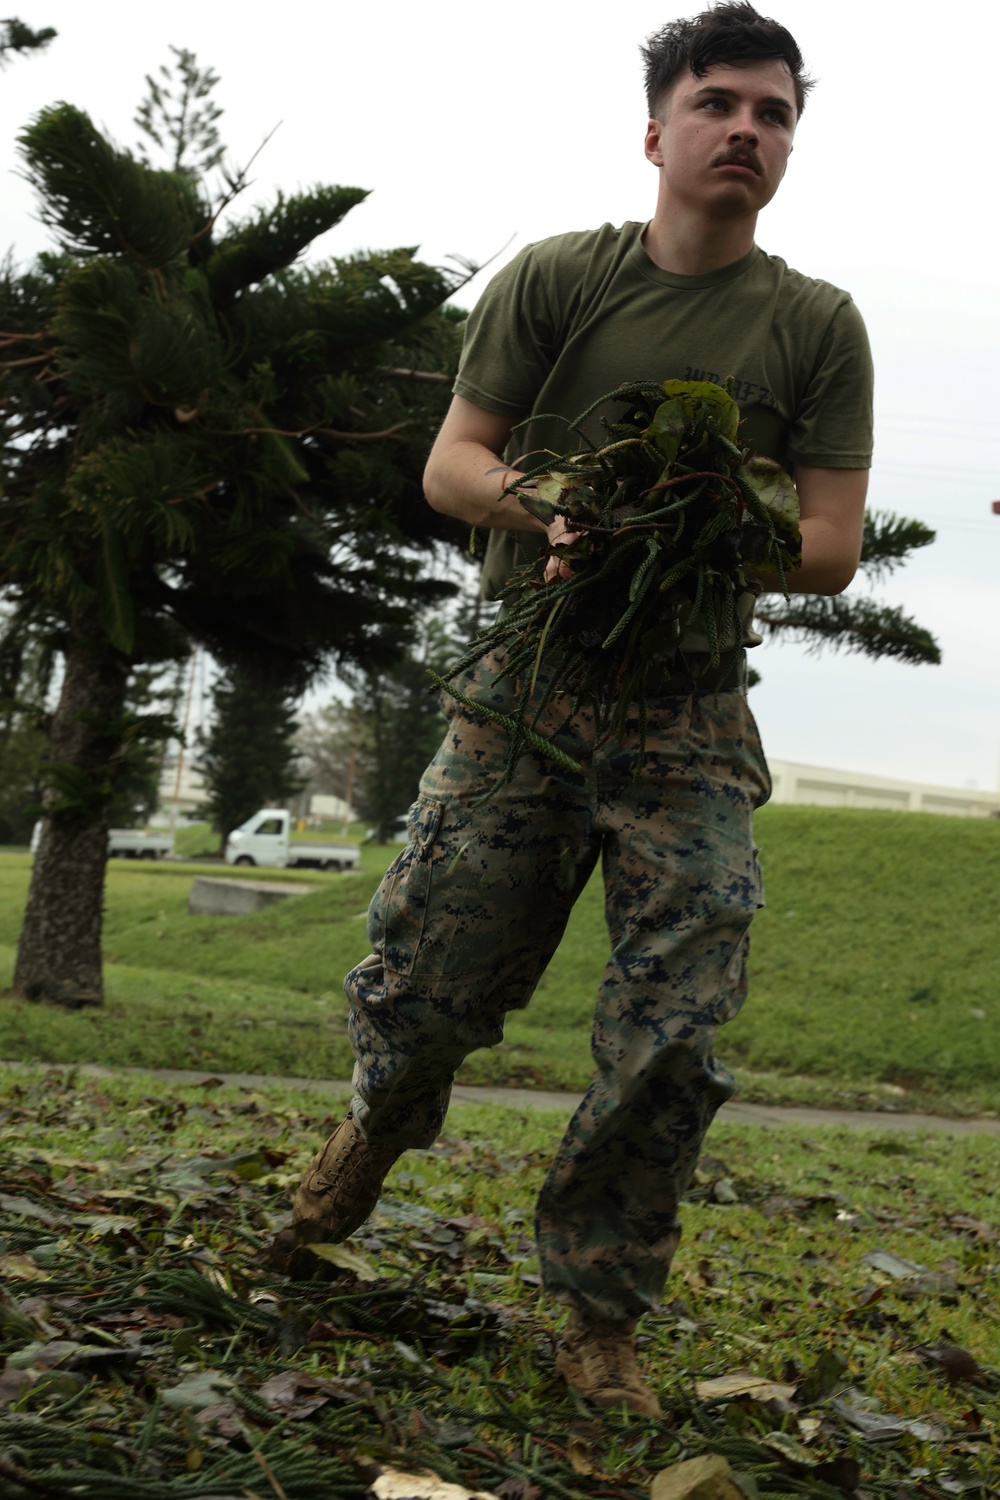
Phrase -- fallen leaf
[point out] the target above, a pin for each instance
(972, 1225)
(957, 1364)
(878, 1427)
(742, 1383)
(518, 1489)
(14, 1383)
(59, 1383)
(24, 1208)
(296, 1395)
(708, 1478)
(928, 1284)
(320, 1331)
(790, 1449)
(197, 1391)
(292, 1395)
(21, 1268)
(223, 1418)
(394, 1484)
(43, 1355)
(823, 1378)
(892, 1265)
(580, 1454)
(724, 1192)
(346, 1260)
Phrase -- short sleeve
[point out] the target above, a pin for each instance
(512, 338)
(832, 425)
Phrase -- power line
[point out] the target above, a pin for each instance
(963, 523)
(920, 423)
(938, 474)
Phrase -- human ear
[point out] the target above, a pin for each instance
(652, 144)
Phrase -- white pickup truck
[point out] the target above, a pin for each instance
(126, 843)
(133, 843)
(264, 840)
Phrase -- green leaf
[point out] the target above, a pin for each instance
(713, 401)
(776, 490)
(667, 427)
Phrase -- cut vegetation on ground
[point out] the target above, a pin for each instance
(875, 973)
(831, 1328)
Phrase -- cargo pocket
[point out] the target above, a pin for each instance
(760, 877)
(399, 909)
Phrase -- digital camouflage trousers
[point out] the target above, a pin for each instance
(473, 909)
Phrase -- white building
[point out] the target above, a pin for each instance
(819, 787)
(331, 809)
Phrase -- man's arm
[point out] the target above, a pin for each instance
(465, 477)
(832, 519)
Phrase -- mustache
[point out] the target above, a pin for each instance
(743, 156)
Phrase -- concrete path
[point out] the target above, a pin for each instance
(735, 1113)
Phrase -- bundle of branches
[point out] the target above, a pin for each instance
(666, 517)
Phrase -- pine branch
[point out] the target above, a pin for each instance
(888, 541)
(257, 248)
(850, 624)
(100, 201)
(15, 36)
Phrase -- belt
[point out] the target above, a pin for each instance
(690, 672)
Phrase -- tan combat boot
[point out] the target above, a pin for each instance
(339, 1190)
(598, 1361)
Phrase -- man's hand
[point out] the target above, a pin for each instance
(558, 567)
(465, 477)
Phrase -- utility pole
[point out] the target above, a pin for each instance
(183, 740)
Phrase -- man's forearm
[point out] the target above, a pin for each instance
(471, 484)
(829, 562)
(832, 520)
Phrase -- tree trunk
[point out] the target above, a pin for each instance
(59, 953)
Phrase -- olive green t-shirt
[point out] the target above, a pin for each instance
(574, 316)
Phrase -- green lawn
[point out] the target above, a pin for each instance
(875, 972)
(831, 1279)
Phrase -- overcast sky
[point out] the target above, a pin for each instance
(479, 129)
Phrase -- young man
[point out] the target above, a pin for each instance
(471, 911)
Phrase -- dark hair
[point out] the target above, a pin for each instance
(731, 33)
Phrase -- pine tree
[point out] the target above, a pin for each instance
(202, 442)
(398, 726)
(373, 750)
(26, 664)
(854, 622)
(180, 116)
(248, 755)
(16, 37)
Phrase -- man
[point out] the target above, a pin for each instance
(474, 907)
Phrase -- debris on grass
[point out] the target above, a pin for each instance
(149, 1353)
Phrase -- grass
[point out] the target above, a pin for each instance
(875, 974)
(857, 1270)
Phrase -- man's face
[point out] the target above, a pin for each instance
(723, 141)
